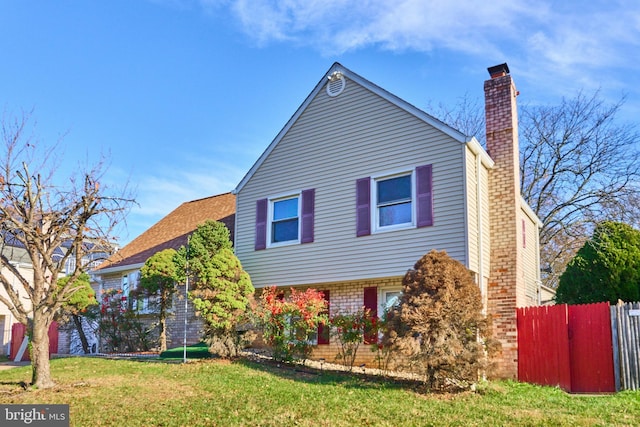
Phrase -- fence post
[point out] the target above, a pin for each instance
(615, 344)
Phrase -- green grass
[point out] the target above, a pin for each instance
(220, 393)
(197, 351)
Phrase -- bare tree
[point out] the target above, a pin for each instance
(579, 165)
(52, 223)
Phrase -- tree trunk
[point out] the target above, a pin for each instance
(164, 307)
(163, 331)
(41, 371)
(77, 320)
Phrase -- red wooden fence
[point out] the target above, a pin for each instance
(17, 336)
(543, 346)
(567, 346)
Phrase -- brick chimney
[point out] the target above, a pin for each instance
(506, 288)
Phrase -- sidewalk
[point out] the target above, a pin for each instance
(10, 364)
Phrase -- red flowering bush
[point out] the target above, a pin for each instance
(290, 323)
(349, 329)
(385, 344)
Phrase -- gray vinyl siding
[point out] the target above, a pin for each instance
(530, 261)
(334, 142)
(477, 214)
(472, 210)
(486, 231)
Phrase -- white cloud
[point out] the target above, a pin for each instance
(336, 26)
(162, 192)
(557, 37)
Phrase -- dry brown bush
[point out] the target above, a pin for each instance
(439, 325)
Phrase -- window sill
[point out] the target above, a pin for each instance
(280, 244)
(397, 227)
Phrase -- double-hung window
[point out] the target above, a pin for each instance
(132, 299)
(285, 219)
(394, 201)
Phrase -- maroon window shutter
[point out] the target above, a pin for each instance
(424, 196)
(308, 207)
(363, 207)
(371, 304)
(261, 224)
(323, 330)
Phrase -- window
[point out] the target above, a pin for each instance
(70, 265)
(285, 220)
(125, 285)
(137, 301)
(394, 201)
(126, 290)
(388, 299)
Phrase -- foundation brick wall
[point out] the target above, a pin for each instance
(506, 287)
(175, 320)
(348, 297)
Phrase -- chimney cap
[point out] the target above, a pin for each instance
(498, 70)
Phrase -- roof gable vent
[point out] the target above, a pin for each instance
(336, 84)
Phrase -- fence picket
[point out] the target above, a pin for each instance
(628, 343)
(615, 329)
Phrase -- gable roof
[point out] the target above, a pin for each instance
(400, 103)
(172, 231)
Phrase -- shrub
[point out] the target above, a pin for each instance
(289, 323)
(120, 326)
(438, 324)
(158, 281)
(222, 291)
(385, 347)
(349, 330)
(606, 268)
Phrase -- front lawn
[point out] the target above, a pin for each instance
(214, 392)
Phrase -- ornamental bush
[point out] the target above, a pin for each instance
(385, 346)
(158, 283)
(349, 330)
(222, 291)
(438, 325)
(120, 327)
(290, 323)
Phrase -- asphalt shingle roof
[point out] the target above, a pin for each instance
(172, 230)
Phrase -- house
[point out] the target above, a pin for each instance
(121, 271)
(14, 250)
(17, 255)
(359, 184)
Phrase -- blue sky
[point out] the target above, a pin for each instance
(184, 95)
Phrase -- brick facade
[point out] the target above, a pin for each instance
(348, 297)
(506, 280)
(175, 320)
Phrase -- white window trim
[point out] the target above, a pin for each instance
(381, 297)
(289, 330)
(141, 305)
(376, 228)
(277, 198)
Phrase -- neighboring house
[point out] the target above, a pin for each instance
(122, 270)
(18, 256)
(68, 338)
(359, 184)
(16, 253)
